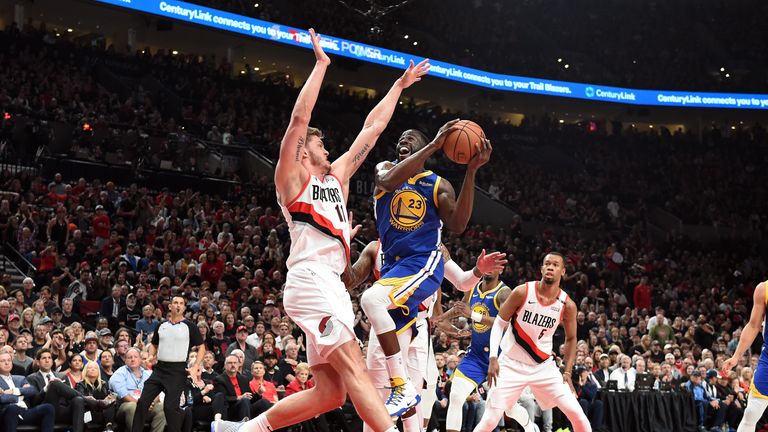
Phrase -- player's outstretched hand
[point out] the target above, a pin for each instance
(353, 229)
(493, 371)
(443, 132)
(414, 73)
(729, 364)
(489, 263)
(320, 55)
(482, 156)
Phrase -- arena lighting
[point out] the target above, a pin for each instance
(269, 31)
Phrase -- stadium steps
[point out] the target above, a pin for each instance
(7, 266)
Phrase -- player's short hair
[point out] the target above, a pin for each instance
(420, 137)
(555, 253)
(312, 131)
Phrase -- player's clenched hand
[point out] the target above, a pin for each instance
(320, 55)
(443, 132)
(489, 263)
(414, 73)
(482, 156)
(493, 371)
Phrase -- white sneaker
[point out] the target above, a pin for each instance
(225, 426)
(530, 427)
(402, 398)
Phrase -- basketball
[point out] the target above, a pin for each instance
(460, 145)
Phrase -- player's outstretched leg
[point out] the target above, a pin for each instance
(376, 304)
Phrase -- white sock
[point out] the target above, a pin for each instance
(411, 424)
(259, 424)
(392, 429)
(395, 366)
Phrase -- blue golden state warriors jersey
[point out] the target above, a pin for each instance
(759, 387)
(474, 365)
(485, 304)
(407, 218)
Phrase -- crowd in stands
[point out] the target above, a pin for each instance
(660, 45)
(109, 256)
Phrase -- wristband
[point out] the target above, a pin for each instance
(476, 316)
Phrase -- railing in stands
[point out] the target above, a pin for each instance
(22, 264)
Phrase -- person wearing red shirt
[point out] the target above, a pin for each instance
(212, 268)
(261, 386)
(302, 381)
(642, 294)
(101, 225)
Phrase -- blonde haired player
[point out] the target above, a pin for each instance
(758, 392)
(534, 310)
(313, 193)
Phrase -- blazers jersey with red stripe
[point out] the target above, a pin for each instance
(529, 338)
(317, 222)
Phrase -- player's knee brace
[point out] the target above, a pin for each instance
(375, 302)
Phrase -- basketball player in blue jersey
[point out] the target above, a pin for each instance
(421, 365)
(411, 207)
(758, 392)
(480, 305)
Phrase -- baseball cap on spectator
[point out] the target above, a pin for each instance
(105, 332)
(269, 302)
(13, 316)
(105, 261)
(45, 320)
(667, 347)
(242, 328)
(99, 207)
(188, 250)
(85, 264)
(25, 330)
(696, 373)
(91, 336)
(56, 310)
(711, 373)
(80, 208)
(603, 355)
(614, 350)
(270, 354)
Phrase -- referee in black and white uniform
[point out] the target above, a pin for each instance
(171, 343)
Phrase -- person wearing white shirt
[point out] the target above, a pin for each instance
(625, 375)
(14, 389)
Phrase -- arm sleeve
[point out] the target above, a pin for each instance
(462, 280)
(117, 384)
(499, 325)
(195, 339)
(156, 337)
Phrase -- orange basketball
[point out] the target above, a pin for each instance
(461, 145)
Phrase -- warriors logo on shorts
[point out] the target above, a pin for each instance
(326, 326)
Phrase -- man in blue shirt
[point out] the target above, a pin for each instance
(700, 396)
(128, 382)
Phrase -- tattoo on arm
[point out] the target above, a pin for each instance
(299, 146)
(361, 154)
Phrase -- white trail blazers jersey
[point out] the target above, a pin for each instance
(317, 221)
(529, 338)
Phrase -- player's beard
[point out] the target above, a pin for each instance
(320, 162)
